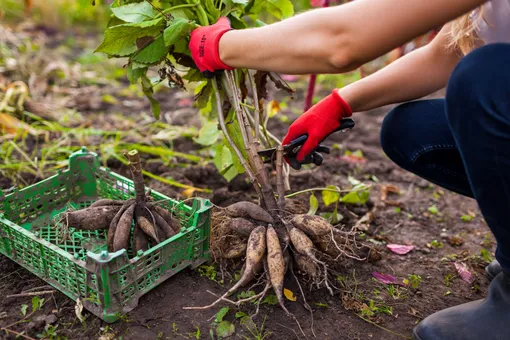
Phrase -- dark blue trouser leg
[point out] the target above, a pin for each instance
(463, 142)
(478, 110)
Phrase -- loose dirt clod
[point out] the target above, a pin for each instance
(236, 250)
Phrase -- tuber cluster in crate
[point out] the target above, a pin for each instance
(152, 223)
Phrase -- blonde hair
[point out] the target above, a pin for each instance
(463, 31)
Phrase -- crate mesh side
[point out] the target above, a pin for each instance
(29, 203)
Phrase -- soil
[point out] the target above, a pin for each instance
(438, 239)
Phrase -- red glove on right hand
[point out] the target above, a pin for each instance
(321, 120)
(204, 46)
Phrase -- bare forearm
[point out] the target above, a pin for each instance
(414, 76)
(337, 39)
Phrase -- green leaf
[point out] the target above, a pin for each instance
(225, 329)
(224, 162)
(330, 197)
(280, 8)
(208, 134)
(241, 314)
(37, 303)
(270, 299)
(314, 205)
(135, 13)
(467, 218)
(24, 309)
(133, 74)
(152, 53)
(221, 314)
(433, 209)
(357, 196)
(120, 40)
(178, 29)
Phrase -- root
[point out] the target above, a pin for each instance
(115, 222)
(123, 229)
(106, 202)
(90, 218)
(305, 303)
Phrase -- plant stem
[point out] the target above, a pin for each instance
(280, 189)
(258, 112)
(326, 189)
(221, 120)
(166, 10)
(136, 173)
(252, 147)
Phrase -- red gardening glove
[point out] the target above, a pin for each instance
(204, 46)
(321, 120)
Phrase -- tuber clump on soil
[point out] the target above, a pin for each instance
(272, 237)
(136, 222)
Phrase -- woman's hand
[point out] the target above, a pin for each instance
(204, 46)
(319, 122)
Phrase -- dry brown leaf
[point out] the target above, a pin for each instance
(12, 125)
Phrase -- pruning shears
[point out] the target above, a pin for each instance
(291, 150)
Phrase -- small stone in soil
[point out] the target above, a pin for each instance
(51, 319)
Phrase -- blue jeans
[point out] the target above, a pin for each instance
(462, 142)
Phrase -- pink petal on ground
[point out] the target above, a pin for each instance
(289, 77)
(385, 278)
(399, 249)
(464, 272)
(353, 159)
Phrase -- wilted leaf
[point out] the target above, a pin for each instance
(188, 193)
(78, 309)
(225, 329)
(289, 294)
(12, 125)
(273, 108)
(464, 272)
(134, 13)
(314, 205)
(385, 278)
(24, 309)
(399, 249)
(364, 222)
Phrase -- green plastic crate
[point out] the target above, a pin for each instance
(108, 284)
